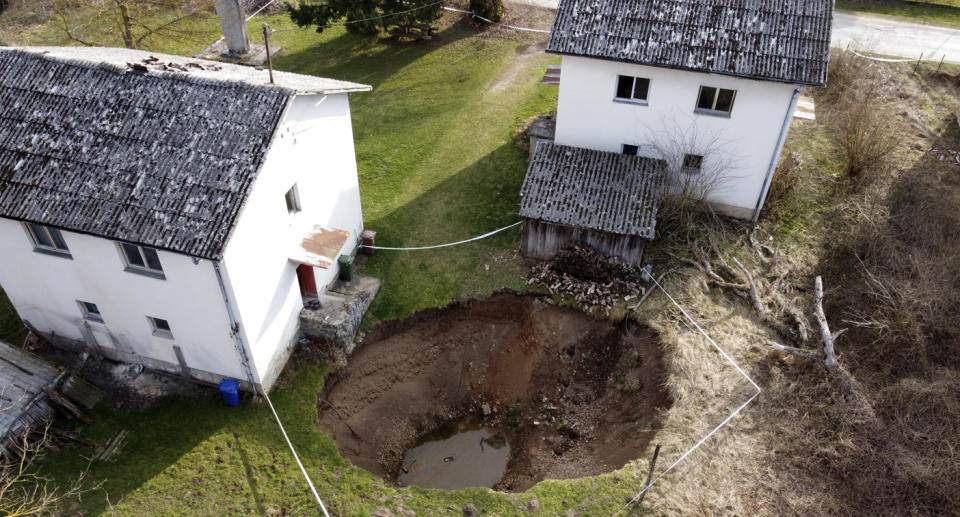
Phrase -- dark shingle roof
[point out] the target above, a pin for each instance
(160, 159)
(597, 190)
(776, 40)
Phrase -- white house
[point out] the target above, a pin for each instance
(709, 86)
(169, 211)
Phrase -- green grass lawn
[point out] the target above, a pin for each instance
(939, 12)
(11, 329)
(437, 163)
(435, 153)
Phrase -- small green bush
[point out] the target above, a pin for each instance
(489, 9)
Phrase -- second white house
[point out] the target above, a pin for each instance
(169, 211)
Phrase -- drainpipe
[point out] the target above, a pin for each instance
(235, 329)
(776, 153)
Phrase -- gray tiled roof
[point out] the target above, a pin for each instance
(777, 40)
(597, 190)
(163, 159)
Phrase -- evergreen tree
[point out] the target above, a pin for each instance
(366, 16)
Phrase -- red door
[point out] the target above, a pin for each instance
(308, 284)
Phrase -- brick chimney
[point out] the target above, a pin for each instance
(234, 25)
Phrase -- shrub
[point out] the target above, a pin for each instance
(864, 129)
(489, 9)
(859, 105)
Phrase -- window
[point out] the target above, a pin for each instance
(293, 200)
(692, 163)
(47, 239)
(90, 311)
(632, 89)
(715, 100)
(160, 327)
(629, 149)
(141, 260)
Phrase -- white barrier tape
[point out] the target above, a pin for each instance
(715, 429)
(883, 59)
(295, 456)
(477, 238)
(475, 15)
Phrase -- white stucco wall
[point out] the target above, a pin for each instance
(45, 289)
(588, 116)
(313, 148)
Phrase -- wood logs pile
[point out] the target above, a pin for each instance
(591, 278)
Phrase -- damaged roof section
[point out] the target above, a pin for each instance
(596, 190)
(775, 40)
(134, 152)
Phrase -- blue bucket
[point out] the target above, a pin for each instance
(230, 389)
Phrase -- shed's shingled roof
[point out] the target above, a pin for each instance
(597, 190)
(163, 159)
(776, 40)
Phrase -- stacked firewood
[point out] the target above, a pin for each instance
(590, 277)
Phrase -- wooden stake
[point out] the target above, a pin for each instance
(266, 42)
(653, 463)
(914, 68)
(941, 62)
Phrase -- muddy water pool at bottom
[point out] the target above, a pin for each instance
(459, 455)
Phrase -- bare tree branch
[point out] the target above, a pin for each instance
(754, 294)
(795, 351)
(828, 339)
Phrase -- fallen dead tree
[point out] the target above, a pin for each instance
(777, 305)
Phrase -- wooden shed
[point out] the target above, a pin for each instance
(23, 403)
(606, 200)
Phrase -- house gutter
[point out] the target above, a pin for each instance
(776, 153)
(235, 329)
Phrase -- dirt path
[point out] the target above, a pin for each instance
(513, 72)
(573, 396)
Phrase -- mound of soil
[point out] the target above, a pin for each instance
(573, 395)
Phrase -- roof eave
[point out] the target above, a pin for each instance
(364, 88)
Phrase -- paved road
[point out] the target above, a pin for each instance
(895, 38)
(876, 34)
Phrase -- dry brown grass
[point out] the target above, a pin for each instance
(889, 251)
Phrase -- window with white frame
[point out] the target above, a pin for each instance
(629, 149)
(292, 198)
(160, 327)
(140, 259)
(717, 101)
(632, 89)
(692, 163)
(90, 311)
(47, 238)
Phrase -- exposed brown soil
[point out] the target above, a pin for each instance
(574, 396)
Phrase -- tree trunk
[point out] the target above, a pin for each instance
(126, 25)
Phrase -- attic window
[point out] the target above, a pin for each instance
(629, 149)
(692, 163)
(161, 327)
(90, 311)
(141, 260)
(292, 198)
(715, 101)
(47, 239)
(632, 89)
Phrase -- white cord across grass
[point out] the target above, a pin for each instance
(715, 429)
(295, 456)
(475, 15)
(477, 238)
(883, 59)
